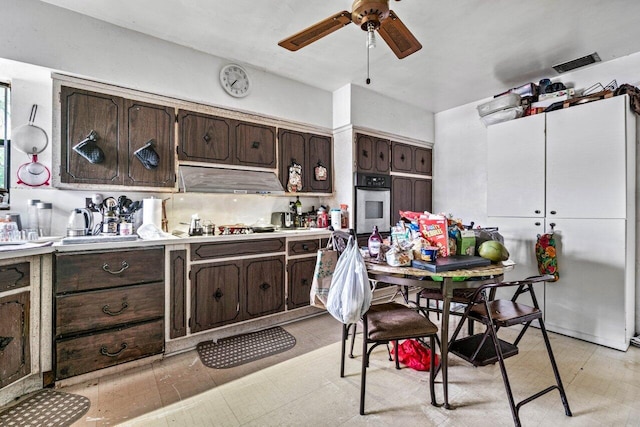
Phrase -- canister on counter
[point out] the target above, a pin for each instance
(336, 219)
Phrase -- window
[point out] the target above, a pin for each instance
(5, 130)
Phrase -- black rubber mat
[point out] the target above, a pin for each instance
(46, 408)
(234, 351)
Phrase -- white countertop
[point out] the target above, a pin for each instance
(30, 249)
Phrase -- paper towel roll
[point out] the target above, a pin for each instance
(152, 212)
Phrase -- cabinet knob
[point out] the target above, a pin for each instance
(401, 157)
(206, 138)
(381, 155)
(538, 224)
(305, 247)
(265, 286)
(4, 342)
(537, 211)
(218, 295)
(305, 282)
(422, 161)
(365, 153)
(255, 144)
(552, 212)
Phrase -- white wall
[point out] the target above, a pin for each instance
(38, 33)
(460, 151)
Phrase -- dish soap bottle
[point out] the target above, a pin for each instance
(375, 241)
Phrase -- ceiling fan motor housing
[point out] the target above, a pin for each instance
(365, 11)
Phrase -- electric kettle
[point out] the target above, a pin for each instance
(80, 222)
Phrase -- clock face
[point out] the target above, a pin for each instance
(235, 80)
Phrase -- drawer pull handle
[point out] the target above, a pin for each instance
(305, 247)
(105, 352)
(265, 286)
(106, 310)
(106, 268)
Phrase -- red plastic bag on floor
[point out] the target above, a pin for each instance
(415, 355)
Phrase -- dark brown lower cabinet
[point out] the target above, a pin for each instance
(300, 276)
(215, 295)
(231, 291)
(264, 286)
(15, 354)
(177, 293)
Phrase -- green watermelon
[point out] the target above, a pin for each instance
(493, 250)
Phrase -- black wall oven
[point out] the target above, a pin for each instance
(373, 202)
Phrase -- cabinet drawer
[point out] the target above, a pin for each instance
(103, 309)
(14, 276)
(302, 247)
(96, 270)
(201, 251)
(89, 353)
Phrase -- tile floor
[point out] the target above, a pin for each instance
(302, 387)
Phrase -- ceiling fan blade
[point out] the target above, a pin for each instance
(316, 31)
(398, 36)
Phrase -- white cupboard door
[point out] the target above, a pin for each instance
(515, 168)
(586, 161)
(520, 235)
(588, 301)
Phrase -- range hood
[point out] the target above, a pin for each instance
(202, 179)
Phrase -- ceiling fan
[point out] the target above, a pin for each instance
(370, 15)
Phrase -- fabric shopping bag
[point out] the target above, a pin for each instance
(546, 255)
(325, 266)
(350, 293)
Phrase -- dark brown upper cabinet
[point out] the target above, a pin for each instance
(310, 151)
(81, 113)
(410, 194)
(410, 159)
(150, 133)
(119, 128)
(213, 139)
(372, 154)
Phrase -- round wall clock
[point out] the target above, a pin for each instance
(235, 80)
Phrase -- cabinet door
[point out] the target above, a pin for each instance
(382, 156)
(591, 299)
(15, 354)
(292, 149)
(365, 153)
(319, 154)
(402, 157)
(204, 138)
(422, 195)
(82, 112)
(177, 293)
(586, 160)
(215, 295)
(300, 277)
(401, 196)
(516, 168)
(264, 292)
(520, 240)
(150, 127)
(255, 145)
(422, 161)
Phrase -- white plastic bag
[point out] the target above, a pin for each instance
(350, 294)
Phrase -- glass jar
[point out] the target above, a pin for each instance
(45, 211)
(32, 214)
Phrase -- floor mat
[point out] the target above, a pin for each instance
(234, 351)
(46, 408)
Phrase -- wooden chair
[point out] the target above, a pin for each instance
(486, 348)
(391, 322)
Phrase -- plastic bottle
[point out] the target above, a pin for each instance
(344, 216)
(375, 241)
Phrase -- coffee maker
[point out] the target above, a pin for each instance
(283, 219)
